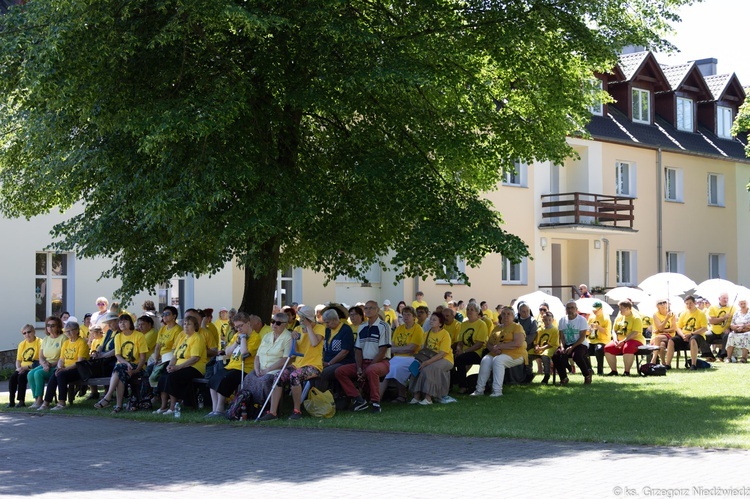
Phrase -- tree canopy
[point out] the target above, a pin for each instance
(322, 134)
(742, 124)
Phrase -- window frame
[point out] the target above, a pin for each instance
(520, 172)
(46, 290)
(720, 188)
(681, 103)
(621, 257)
(375, 272)
(598, 108)
(461, 264)
(641, 92)
(678, 183)
(717, 266)
(679, 259)
(522, 267)
(631, 183)
(724, 119)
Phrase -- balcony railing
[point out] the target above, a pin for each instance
(584, 208)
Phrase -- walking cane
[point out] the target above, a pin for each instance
(273, 387)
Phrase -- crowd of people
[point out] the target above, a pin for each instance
(360, 353)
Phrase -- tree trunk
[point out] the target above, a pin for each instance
(258, 294)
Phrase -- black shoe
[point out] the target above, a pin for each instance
(295, 416)
(545, 379)
(613, 373)
(626, 373)
(268, 416)
(667, 367)
(21, 404)
(10, 406)
(82, 391)
(375, 408)
(360, 404)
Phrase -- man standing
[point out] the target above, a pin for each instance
(371, 350)
(691, 330)
(573, 343)
(419, 302)
(719, 319)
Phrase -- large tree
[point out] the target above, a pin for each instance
(742, 126)
(317, 133)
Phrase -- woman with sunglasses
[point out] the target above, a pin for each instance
(48, 357)
(664, 326)
(74, 349)
(273, 352)
(27, 358)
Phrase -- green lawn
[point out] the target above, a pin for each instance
(704, 408)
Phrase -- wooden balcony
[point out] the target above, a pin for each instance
(584, 209)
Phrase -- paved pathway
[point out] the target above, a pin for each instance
(65, 456)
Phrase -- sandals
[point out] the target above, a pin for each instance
(116, 409)
(102, 404)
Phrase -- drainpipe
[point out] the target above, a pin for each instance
(659, 198)
(606, 261)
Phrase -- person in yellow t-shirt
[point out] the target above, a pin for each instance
(406, 341)
(664, 325)
(468, 346)
(691, 329)
(719, 319)
(489, 313)
(433, 381)
(145, 325)
(131, 352)
(27, 357)
(74, 349)
(165, 339)
(241, 352)
(419, 301)
(545, 344)
(308, 342)
(451, 325)
(390, 315)
(506, 346)
(189, 362)
(223, 325)
(600, 333)
(628, 329)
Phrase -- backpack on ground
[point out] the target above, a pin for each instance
(234, 413)
(650, 369)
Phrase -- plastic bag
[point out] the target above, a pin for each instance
(320, 404)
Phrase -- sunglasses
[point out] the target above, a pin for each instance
(662, 303)
(543, 310)
(277, 323)
(26, 332)
(51, 325)
(166, 314)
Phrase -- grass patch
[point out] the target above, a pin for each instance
(704, 408)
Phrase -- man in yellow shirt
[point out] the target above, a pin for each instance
(719, 319)
(691, 329)
(419, 302)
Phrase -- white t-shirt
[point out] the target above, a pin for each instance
(571, 329)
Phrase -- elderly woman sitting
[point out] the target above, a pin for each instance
(338, 348)
(27, 357)
(406, 340)
(506, 347)
(74, 349)
(434, 379)
(273, 352)
(739, 337)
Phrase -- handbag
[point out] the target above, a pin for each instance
(425, 353)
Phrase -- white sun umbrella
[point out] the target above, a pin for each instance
(626, 293)
(648, 306)
(533, 300)
(712, 288)
(586, 306)
(666, 284)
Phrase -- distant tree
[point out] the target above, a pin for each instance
(322, 134)
(742, 124)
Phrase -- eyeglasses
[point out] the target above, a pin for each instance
(278, 323)
(370, 308)
(51, 325)
(26, 332)
(166, 314)
(101, 303)
(238, 325)
(662, 303)
(543, 310)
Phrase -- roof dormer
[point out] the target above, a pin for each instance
(727, 95)
(678, 106)
(643, 78)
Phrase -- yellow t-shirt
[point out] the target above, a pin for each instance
(83, 331)
(665, 324)
(491, 315)
(692, 321)
(390, 316)
(151, 337)
(473, 332)
(131, 347)
(166, 338)
(210, 338)
(453, 329)
(403, 336)
(52, 347)
(488, 322)
(726, 312)
(505, 335)
(223, 327)
(440, 342)
(597, 337)
(235, 360)
(416, 304)
(74, 350)
(28, 351)
(192, 346)
(625, 325)
(95, 344)
(312, 355)
(551, 336)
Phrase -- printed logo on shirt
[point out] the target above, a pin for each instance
(127, 351)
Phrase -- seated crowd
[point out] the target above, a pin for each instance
(359, 353)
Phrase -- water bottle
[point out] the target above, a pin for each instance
(200, 401)
(243, 412)
(177, 410)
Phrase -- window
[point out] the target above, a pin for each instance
(514, 273)
(626, 267)
(516, 177)
(52, 288)
(284, 287)
(641, 106)
(372, 275)
(724, 122)
(675, 262)
(684, 114)
(715, 189)
(717, 266)
(597, 108)
(453, 275)
(625, 178)
(172, 293)
(673, 184)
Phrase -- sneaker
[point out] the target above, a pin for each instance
(693, 368)
(477, 394)
(360, 404)
(159, 411)
(34, 406)
(375, 408)
(213, 414)
(588, 377)
(447, 400)
(413, 401)
(268, 416)
(727, 360)
(168, 412)
(58, 407)
(564, 381)
(496, 394)
(296, 415)
(425, 402)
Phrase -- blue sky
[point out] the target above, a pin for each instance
(714, 28)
